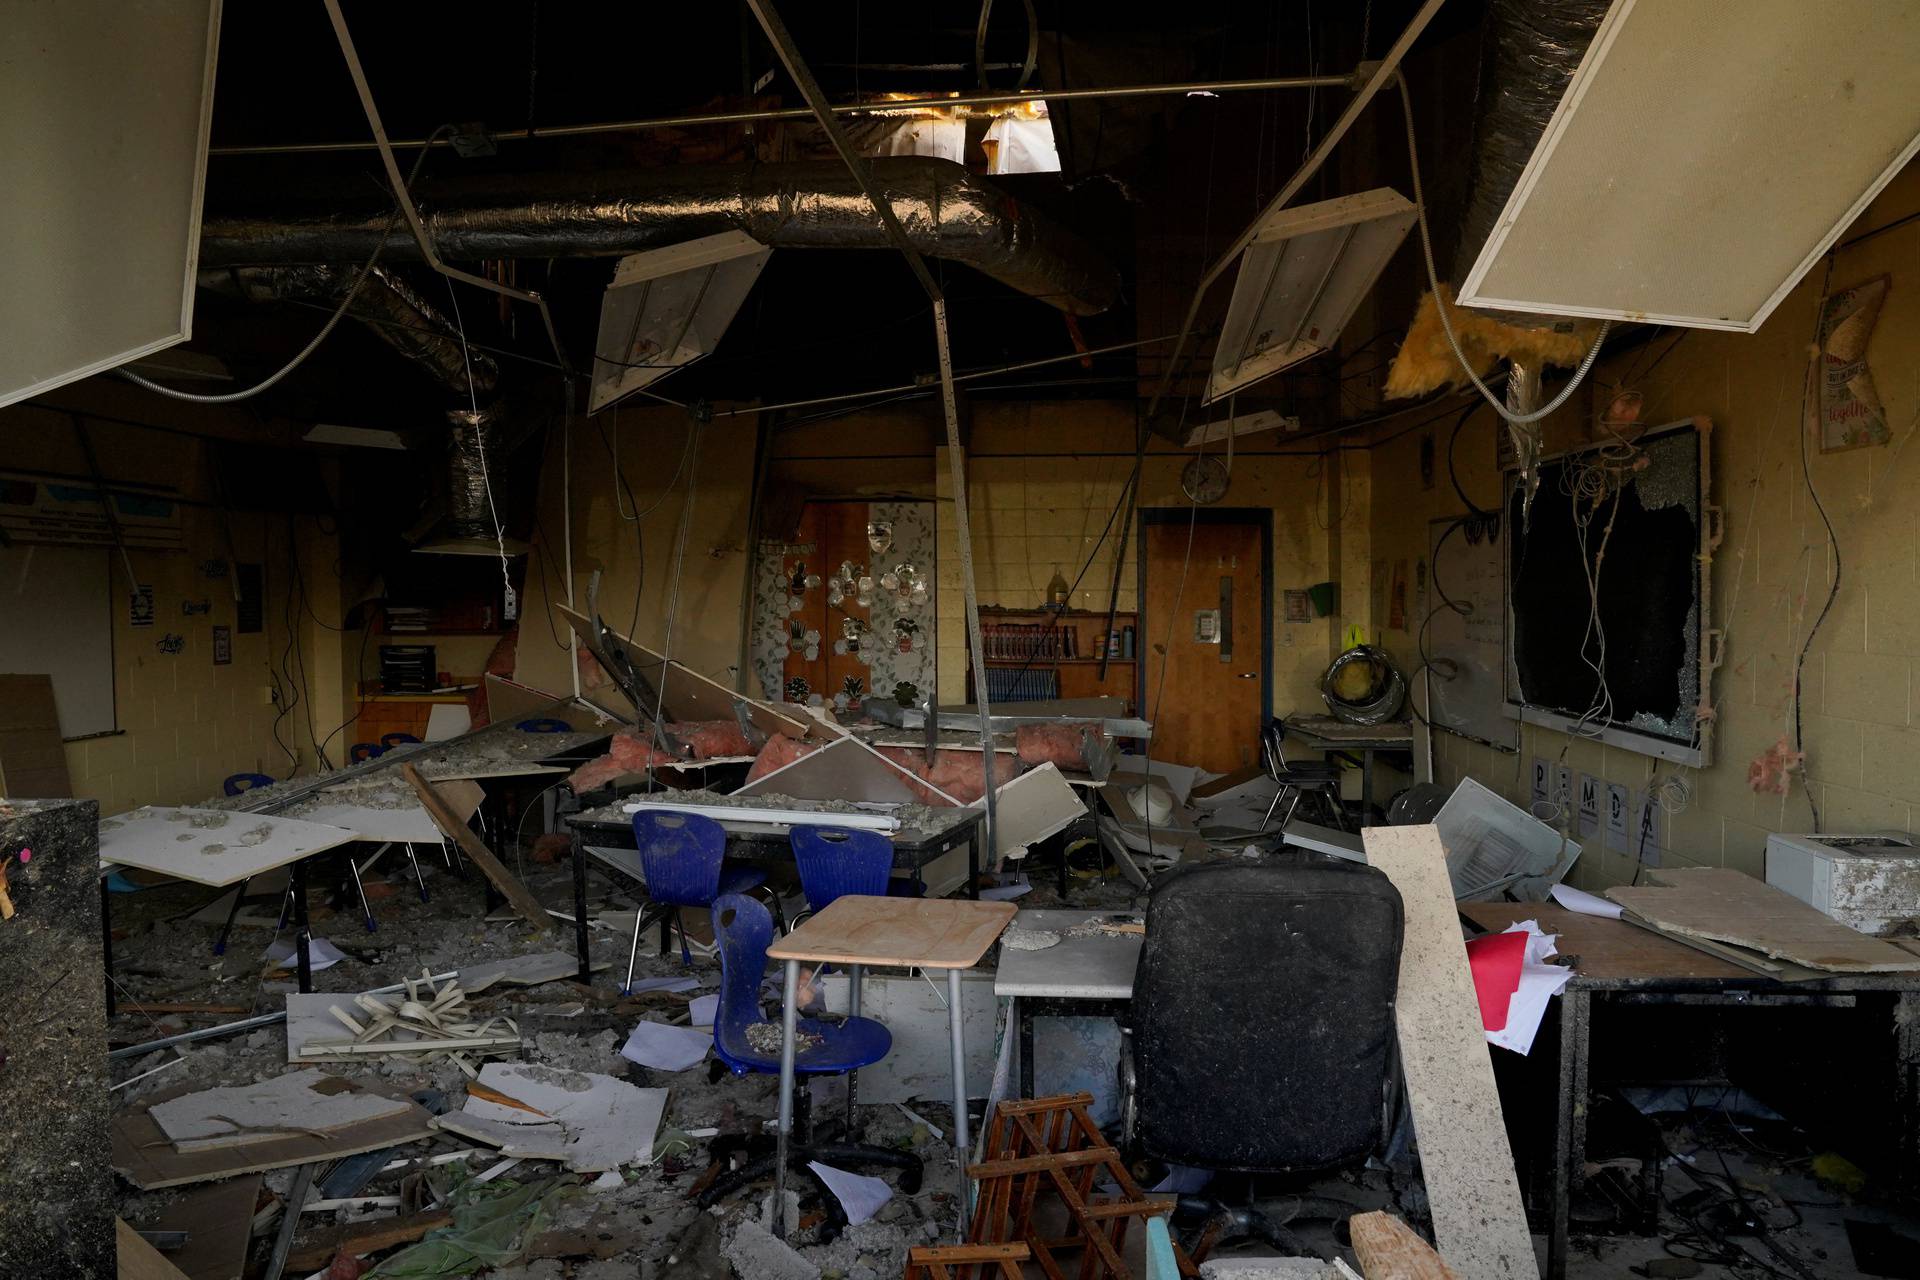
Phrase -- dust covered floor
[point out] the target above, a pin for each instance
(644, 1223)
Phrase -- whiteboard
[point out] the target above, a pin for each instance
(56, 619)
(1468, 696)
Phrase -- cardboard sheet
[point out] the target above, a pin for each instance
(1720, 905)
(1479, 1221)
(142, 1154)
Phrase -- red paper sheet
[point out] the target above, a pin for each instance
(1496, 960)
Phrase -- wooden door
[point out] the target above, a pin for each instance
(1210, 708)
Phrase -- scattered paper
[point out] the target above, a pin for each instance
(665, 1048)
(1011, 886)
(859, 1195)
(1539, 983)
(323, 954)
(704, 1009)
(608, 1181)
(1587, 904)
(1496, 960)
(663, 984)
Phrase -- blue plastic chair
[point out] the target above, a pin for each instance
(743, 929)
(362, 751)
(683, 857)
(544, 724)
(833, 861)
(388, 741)
(240, 782)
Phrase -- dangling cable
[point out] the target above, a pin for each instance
(1440, 305)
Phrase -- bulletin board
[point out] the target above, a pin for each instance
(58, 604)
(1466, 566)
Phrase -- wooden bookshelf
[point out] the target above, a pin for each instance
(1065, 643)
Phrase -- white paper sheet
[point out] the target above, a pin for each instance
(664, 984)
(1539, 983)
(859, 1195)
(665, 1048)
(704, 1009)
(1585, 903)
(323, 954)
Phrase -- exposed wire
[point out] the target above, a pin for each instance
(300, 357)
(1439, 306)
(1833, 540)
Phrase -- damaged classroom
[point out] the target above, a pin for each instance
(836, 641)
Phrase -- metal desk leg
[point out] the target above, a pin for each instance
(1906, 1050)
(962, 1145)
(1023, 1010)
(549, 806)
(853, 1011)
(579, 856)
(226, 930)
(974, 859)
(1569, 1121)
(106, 940)
(1366, 787)
(302, 931)
(788, 1017)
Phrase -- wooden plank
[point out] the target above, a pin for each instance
(928, 933)
(1723, 905)
(317, 1249)
(1465, 1159)
(216, 1219)
(470, 844)
(139, 1260)
(1389, 1250)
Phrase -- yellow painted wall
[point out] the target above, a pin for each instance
(1044, 477)
(1770, 576)
(713, 579)
(184, 723)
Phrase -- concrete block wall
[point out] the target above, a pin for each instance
(1860, 718)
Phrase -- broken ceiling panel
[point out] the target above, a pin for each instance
(667, 308)
(1300, 281)
(1705, 156)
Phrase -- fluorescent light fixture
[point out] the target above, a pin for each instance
(107, 107)
(1246, 424)
(357, 437)
(1705, 156)
(667, 308)
(473, 547)
(1300, 281)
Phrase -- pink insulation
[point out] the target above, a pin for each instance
(955, 772)
(625, 754)
(1062, 745)
(780, 752)
(711, 738)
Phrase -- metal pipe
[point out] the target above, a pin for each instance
(1378, 76)
(958, 377)
(405, 197)
(756, 115)
(856, 163)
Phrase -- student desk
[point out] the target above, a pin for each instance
(1618, 963)
(1078, 977)
(896, 933)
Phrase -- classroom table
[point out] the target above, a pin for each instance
(599, 832)
(1329, 736)
(1619, 963)
(899, 933)
(1089, 976)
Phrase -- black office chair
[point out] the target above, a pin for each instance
(1294, 779)
(1261, 1037)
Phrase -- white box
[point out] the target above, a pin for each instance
(1869, 881)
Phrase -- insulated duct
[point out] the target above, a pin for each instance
(473, 447)
(947, 212)
(1533, 49)
(388, 306)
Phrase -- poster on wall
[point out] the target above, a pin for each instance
(42, 513)
(140, 607)
(1847, 412)
(222, 646)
